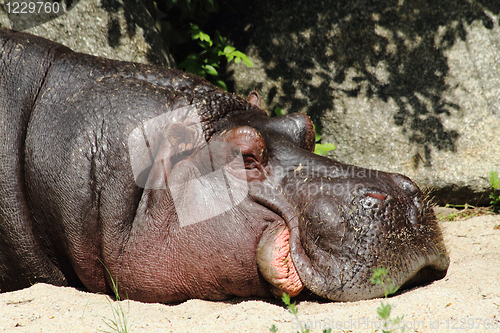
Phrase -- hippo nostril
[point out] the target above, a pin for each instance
(406, 184)
(379, 196)
(372, 199)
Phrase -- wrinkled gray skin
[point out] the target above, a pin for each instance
(72, 205)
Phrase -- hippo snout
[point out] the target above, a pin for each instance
(354, 225)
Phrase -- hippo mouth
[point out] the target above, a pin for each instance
(279, 242)
(275, 261)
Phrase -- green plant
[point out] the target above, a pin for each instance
(119, 322)
(467, 211)
(495, 198)
(384, 310)
(319, 148)
(322, 148)
(207, 62)
(294, 311)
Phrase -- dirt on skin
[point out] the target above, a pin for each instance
(466, 300)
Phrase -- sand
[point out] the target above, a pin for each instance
(466, 300)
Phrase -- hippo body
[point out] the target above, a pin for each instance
(176, 189)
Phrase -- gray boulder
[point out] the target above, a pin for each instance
(401, 86)
(122, 30)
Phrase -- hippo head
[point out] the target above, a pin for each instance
(340, 223)
(332, 223)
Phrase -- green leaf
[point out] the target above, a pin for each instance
(494, 180)
(247, 61)
(229, 49)
(192, 66)
(205, 37)
(292, 309)
(193, 56)
(278, 111)
(398, 319)
(210, 70)
(392, 289)
(211, 62)
(195, 69)
(384, 310)
(273, 329)
(194, 30)
(286, 298)
(221, 84)
(238, 54)
(241, 56)
(323, 148)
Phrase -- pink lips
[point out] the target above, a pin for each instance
(276, 265)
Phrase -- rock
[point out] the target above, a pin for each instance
(122, 30)
(410, 86)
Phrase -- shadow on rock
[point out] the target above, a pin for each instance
(392, 50)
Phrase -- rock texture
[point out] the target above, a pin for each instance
(402, 86)
(122, 30)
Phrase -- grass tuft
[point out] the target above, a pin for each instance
(119, 322)
(294, 311)
(384, 309)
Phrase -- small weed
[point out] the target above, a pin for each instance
(294, 311)
(322, 148)
(384, 310)
(206, 63)
(495, 196)
(467, 211)
(451, 217)
(273, 329)
(119, 322)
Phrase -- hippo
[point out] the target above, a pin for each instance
(159, 182)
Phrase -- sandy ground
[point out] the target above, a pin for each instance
(466, 300)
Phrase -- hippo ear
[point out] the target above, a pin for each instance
(157, 145)
(254, 99)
